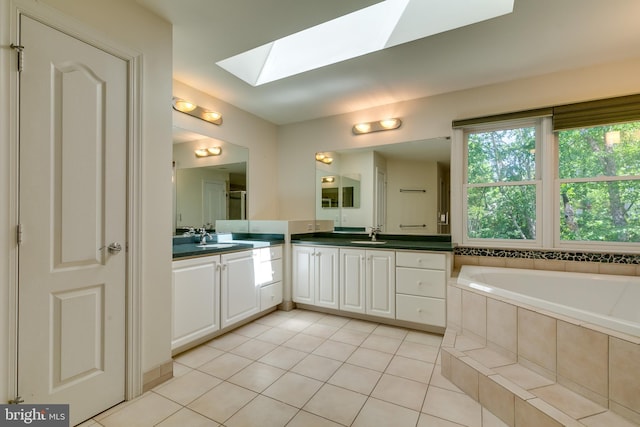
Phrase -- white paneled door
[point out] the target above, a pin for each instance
(73, 194)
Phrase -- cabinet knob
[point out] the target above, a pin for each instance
(419, 283)
(419, 310)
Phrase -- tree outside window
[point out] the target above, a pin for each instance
(501, 184)
(599, 183)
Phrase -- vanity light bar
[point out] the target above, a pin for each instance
(193, 110)
(377, 126)
(206, 152)
(324, 158)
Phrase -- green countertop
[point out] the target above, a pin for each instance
(391, 241)
(186, 247)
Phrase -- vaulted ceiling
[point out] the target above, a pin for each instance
(539, 37)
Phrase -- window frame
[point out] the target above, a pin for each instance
(536, 123)
(547, 193)
(589, 245)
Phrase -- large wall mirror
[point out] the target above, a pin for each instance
(402, 188)
(207, 188)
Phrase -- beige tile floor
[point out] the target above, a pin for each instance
(306, 369)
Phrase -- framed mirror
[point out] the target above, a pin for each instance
(207, 188)
(402, 188)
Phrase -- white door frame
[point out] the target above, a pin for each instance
(61, 22)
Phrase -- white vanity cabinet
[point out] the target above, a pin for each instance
(196, 289)
(268, 271)
(367, 282)
(240, 295)
(315, 275)
(421, 279)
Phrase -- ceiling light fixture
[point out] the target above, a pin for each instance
(206, 152)
(196, 111)
(377, 126)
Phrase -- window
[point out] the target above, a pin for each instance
(599, 183)
(569, 178)
(502, 183)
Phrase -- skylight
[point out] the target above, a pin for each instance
(385, 24)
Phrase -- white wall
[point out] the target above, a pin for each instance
(431, 117)
(132, 28)
(246, 130)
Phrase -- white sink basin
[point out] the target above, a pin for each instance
(368, 242)
(217, 245)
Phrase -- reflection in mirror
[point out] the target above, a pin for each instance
(207, 189)
(402, 188)
(340, 191)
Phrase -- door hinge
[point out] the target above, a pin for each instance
(20, 51)
(19, 234)
(16, 400)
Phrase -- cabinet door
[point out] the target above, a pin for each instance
(352, 280)
(381, 283)
(240, 295)
(195, 287)
(326, 277)
(303, 274)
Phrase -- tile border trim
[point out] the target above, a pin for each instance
(608, 258)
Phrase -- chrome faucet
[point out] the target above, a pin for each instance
(203, 236)
(374, 232)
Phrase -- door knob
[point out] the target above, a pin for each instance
(114, 248)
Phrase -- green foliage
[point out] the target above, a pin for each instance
(605, 209)
(599, 169)
(503, 211)
(502, 156)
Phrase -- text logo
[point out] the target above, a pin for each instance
(34, 415)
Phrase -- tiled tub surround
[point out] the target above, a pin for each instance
(532, 367)
(609, 301)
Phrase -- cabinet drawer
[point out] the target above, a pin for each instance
(268, 271)
(268, 253)
(270, 295)
(421, 260)
(275, 252)
(426, 310)
(421, 282)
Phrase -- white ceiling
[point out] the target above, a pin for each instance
(539, 37)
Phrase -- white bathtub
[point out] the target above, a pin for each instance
(609, 301)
